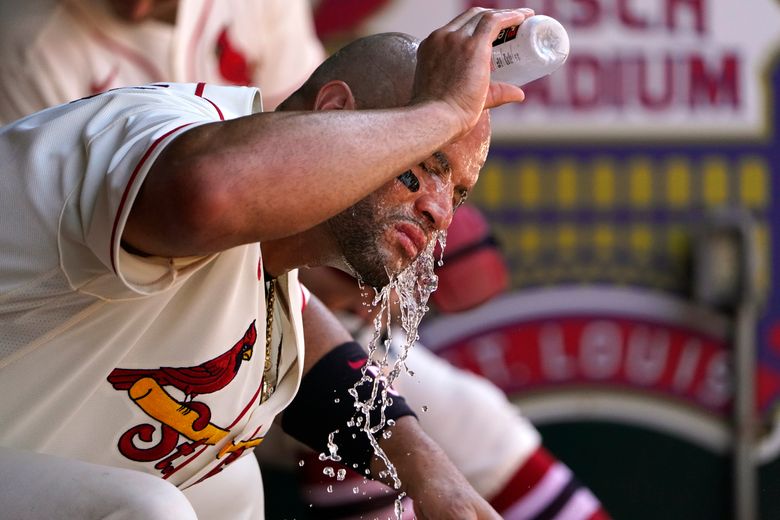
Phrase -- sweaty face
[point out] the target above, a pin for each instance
(383, 233)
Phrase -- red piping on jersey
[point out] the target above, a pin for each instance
(195, 456)
(246, 408)
(196, 35)
(116, 47)
(199, 92)
(127, 188)
(528, 476)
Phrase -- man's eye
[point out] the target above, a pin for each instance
(409, 180)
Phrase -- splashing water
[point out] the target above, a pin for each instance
(412, 286)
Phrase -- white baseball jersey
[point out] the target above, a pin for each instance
(53, 51)
(153, 364)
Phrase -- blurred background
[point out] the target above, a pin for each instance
(635, 195)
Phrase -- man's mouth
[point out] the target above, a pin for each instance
(411, 238)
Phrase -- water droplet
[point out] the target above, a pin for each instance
(300, 463)
(356, 490)
(399, 508)
(330, 488)
(425, 408)
(328, 471)
(410, 290)
(341, 474)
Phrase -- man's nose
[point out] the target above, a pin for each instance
(435, 206)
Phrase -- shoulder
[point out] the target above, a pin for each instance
(215, 102)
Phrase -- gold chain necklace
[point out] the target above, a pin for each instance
(268, 386)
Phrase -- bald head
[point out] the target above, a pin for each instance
(379, 70)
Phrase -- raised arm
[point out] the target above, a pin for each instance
(273, 175)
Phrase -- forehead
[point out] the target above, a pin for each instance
(467, 155)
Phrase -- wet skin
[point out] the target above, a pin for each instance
(386, 231)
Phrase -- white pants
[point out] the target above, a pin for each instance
(34, 486)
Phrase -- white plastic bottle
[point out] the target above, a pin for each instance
(535, 48)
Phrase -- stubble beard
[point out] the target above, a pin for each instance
(357, 233)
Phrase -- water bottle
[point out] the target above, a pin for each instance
(535, 48)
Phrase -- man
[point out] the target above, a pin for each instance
(55, 51)
(150, 242)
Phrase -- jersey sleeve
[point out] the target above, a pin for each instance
(123, 137)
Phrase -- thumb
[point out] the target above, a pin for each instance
(502, 93)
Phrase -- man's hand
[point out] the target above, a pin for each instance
(453, 64)
(438, 489)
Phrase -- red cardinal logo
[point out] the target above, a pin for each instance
(233, 65)
(208, 377)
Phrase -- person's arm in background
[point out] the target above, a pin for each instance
(426, 473)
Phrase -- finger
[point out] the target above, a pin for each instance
(463, 18)
(486, 15)
(490, 24)
(503, 93)
(471, 17)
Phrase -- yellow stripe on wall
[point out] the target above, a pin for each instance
(530, 241)
(641, 239)
(764, 251)
(530, 172)
(754, 181)
(604, 240)
(715, 185)
(567, 239)
(566, 184)
(489, 185)
(604, 183)
(678, 182)
(640, 182)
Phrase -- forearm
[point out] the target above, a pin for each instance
(272, 175)
(438, 489)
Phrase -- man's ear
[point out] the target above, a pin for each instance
(334, 95)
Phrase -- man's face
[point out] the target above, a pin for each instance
(383, 233)
(139, 10)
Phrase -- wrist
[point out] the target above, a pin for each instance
(411, 451)
(448, 118)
